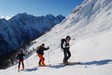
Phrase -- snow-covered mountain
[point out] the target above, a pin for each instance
(88, 19)
(90, 27)
(22, 28)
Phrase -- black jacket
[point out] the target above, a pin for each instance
(41, 50)
(20, 56)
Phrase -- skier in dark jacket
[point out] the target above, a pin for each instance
(20, 57)
(40, 52)
(65, 46)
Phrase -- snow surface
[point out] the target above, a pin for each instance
(91, 30)
(93, 53)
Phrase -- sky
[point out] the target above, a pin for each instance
(9, 8)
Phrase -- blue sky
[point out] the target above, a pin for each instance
(37, 7)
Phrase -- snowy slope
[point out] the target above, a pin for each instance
(93, 17)
(90, 26)
(95, 57)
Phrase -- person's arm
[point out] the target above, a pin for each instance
(45, 48)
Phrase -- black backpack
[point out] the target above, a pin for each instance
(62, 41)
(38, 48)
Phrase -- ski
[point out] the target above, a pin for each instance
(69, 63)
(61, 64)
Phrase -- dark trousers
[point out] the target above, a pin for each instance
(21, 61)
(67, 55)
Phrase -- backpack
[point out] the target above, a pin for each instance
(62, 41)
(38, 49)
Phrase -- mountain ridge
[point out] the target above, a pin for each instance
(22, 28)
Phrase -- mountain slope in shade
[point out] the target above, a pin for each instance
(22, 28)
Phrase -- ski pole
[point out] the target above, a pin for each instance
(48, 56)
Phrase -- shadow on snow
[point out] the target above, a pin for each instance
(97, 63)
(100, 62)
(31, 69)
(57, 66)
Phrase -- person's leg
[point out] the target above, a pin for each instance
(22, 64)
(43, 64)
(65, 56)
(39, 55)
(19, 65)
(69, 55)
(41, 60)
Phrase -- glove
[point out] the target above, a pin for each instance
(47, 47)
